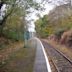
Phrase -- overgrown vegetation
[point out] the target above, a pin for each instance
(10, 25)
(13, 19)
(57, 25)
(43, 27)
(55, 22)
(19, 61)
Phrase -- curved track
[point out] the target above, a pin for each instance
(60, 61)
(52, 64)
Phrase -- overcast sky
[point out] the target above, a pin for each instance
(47, 6)
(33, 16)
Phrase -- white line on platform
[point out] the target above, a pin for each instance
(46, 57)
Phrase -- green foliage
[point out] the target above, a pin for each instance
(42, 27)
(45, 26)
(12, 25)
(59, 33)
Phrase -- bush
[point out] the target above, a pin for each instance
(13, 35)
(59, 33)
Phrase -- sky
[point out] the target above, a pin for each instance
(48, 7)
(2, 13)
(32, 16)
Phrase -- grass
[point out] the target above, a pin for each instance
(20, 61)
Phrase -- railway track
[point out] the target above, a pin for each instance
(52, 64)
(60, 62)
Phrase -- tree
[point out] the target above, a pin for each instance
(13, 23)
(10, 8)
(60, 18)
(43, 28)
(12, 5)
